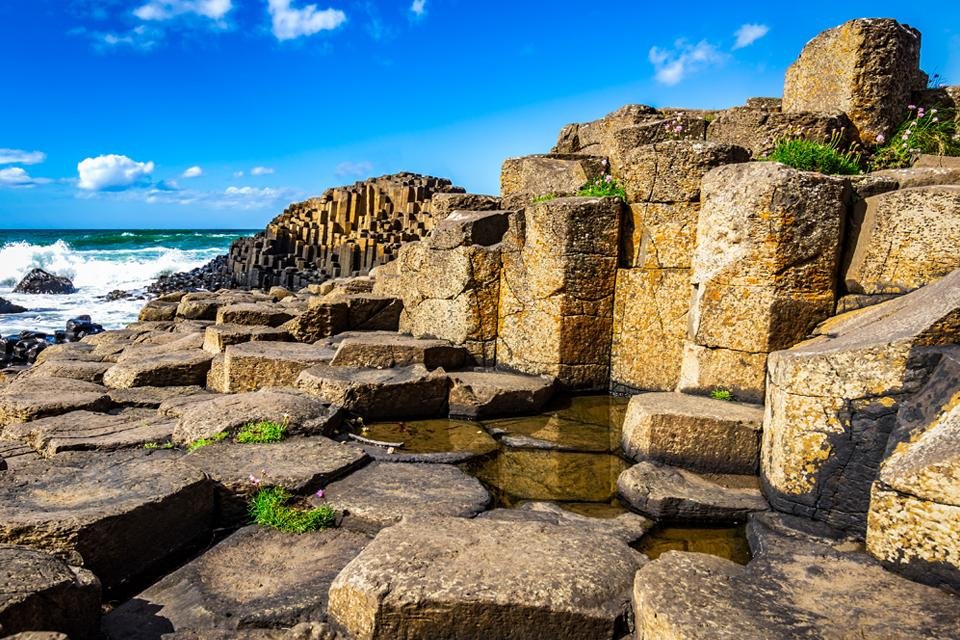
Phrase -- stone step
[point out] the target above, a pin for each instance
(693, 432)
(253, 314)
(525, 178)
(86, 430)
(384, 350)
(42, 592)
(255, 365)
(151, 397)
(486, 394)
(217, 338)
(31, 399)
(255, 579)
(403, 392)
(120, 515)
(472, 580)
(466, 228)
(678, 495)
(177, 368)
(72, 369)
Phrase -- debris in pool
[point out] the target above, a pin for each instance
(376, 443)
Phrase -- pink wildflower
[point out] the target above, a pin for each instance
(320, 494)
(912, 107)
(254, 479)
(880, 138)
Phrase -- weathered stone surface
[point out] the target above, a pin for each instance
(15, 454)
(318, 322)
(255, 579)
(253, 314)
(382, 494)
(596, 137)
(158, 343)
(449, 294)
(903, 240)
(523, 179)
(759, 130)
(158, 311)
(30, 399)
(373, 312)
(556, 291)
(764, 270)
(151, 397)
(470, 579)
(255, 365)
(86, 431)
(866, 68)
(659, 235)
(671, 171)
(628, 527)
(72, 369)
(485, 394)
(913, 524)
(117, 514)
(41, 592)
(832, 401)
(384, 350)
(403, 392)
(674, 494)
(177, 368)
(443, 204)
(918, 176)
(464, 228)
(206, 416)
(797, 586)
(696, 433)
(217, 338)
(198, 306)
(71, 351)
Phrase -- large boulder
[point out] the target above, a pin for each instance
(524, 179)
(764, 271)
(903, 240)
(913, 524)
(42, 592)
(253, 314)
(175, 368)
(465, 228)
(866, 68)
(39, 281)
(217, 338)
(671, 171)
(484, 394)
(255, 365)
(384, 350)
(8, 307)
(471, 580)
(556, 291)
(832, 401)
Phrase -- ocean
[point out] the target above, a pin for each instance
(98, 262)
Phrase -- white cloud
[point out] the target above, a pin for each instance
(18, 156)
(673, 65)
(260, 171)
(289, 23)
(418, 7)
(111, 172)
(158, 10)
(192, 172)
(749, 33)
(353, 169)
(251, 197)
(238, 174)
(18, 177)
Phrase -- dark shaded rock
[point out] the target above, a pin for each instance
(40, 281)
(8, 307)
(465, 228)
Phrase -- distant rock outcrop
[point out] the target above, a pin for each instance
(8, 307)
(40, 281)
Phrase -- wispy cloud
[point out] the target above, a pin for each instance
(418, 8)
(350, 169)
(261, 171)
(749, 33)
(290, 23)
(112, 171)
(673, 65)
(160, 10)
(192, 172)
(18, 177)
(18, 156)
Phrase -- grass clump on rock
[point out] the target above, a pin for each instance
(722, 394)
(933, 132)
(603, 187)
(270, 508)
(262, 432)
(807, 155)
(205, 442)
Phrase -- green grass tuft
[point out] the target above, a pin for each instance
(269, 508)
(807, 155)
(933, 132)
(261, 432)
(547, 197)
(721, 394)
(603, 187)
(204, 442)
(157, 445)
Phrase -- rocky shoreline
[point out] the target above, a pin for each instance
(426, 441)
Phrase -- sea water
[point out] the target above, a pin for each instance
(98, 262)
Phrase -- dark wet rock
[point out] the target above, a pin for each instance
(40, 281)
(39, 591)
(380, 494)
(485, 394)
(471, 580)
(8, 307)
(30, 399)
(88, 431)
(119, 515)
(674, 494)
(255, 579)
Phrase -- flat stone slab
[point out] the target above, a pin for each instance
(381, 494)
(117, 514)
(385, 349)
(86, 431)
(255, 365)
(694, 432)
(160, 343)
(39, 591)
(204, 417)
(267, 314)
(404, 392)
(152, 397)
(628, 527)
(72, 369)
(256, 578)
(674, 494)
(177, 368)
(217, 338)
(73, 351)
(799, 587)
(485, 579)
(300, 465)
(16, 454)
(31, 399)
(485, 394)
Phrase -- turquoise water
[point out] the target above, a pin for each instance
(98, 262)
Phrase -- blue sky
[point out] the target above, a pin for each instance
(217, 113)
